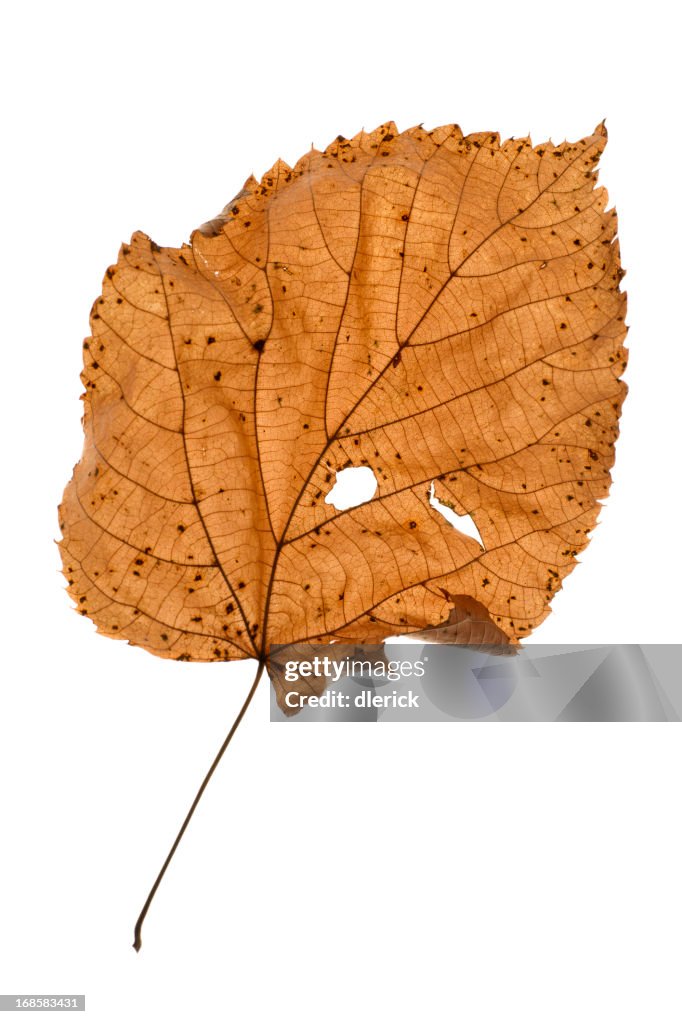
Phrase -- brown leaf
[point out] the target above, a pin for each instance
(444, 310)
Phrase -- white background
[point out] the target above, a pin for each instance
(333, 873)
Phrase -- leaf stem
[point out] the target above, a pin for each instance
(137, 944)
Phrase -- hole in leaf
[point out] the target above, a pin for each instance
(464, 524)
(352, 487)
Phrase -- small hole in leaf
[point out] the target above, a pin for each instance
(464, 524)
(352, 487)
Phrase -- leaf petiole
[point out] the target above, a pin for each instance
(137, 944)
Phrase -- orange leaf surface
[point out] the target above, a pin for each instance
(444, 310)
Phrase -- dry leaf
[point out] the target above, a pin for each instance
(438, 308)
